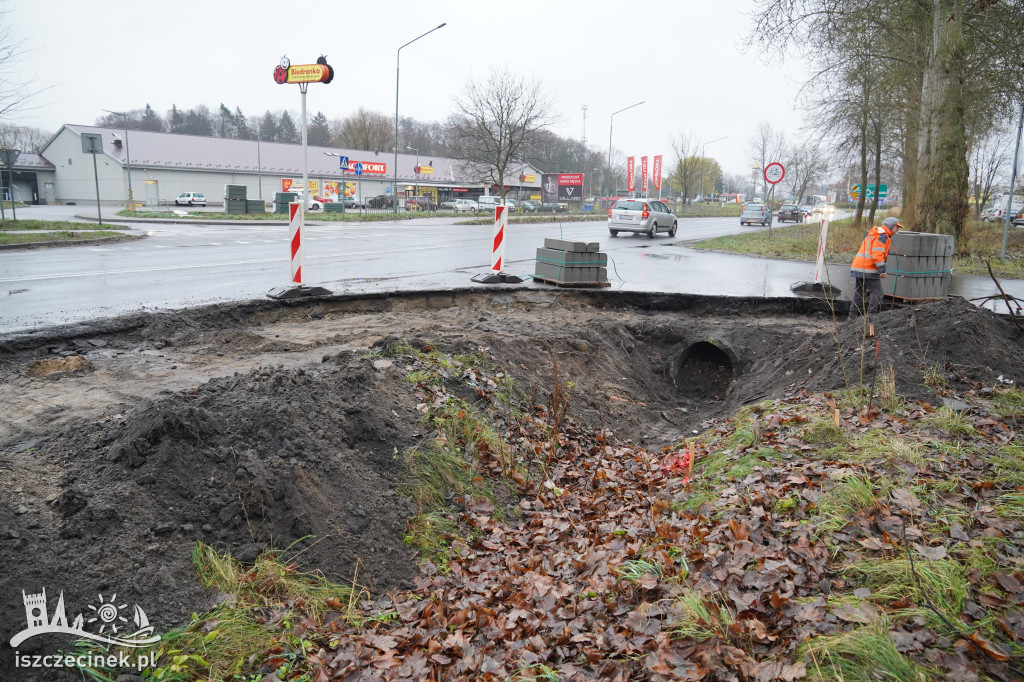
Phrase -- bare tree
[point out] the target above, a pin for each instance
(766, 145)
(989, 156)
(806, 166)
(15, 85)
(686, 174)
(22, 137)
(494, 121)
(369, 130)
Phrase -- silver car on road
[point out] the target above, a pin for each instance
(643, 216)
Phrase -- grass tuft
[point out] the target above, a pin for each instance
(865, 654)
(944, 582)
(700, 617)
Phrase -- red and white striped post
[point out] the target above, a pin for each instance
(495, 274)
(296, 213)
(498, 246)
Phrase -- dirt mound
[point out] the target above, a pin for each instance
(246, 462)
(73, 363)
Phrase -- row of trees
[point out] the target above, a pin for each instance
(921, 87)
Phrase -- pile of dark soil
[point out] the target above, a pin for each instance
(266, 459)
(312, 454)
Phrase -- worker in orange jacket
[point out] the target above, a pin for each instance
(868, 267)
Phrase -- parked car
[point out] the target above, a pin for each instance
(190, 199)
(644, 216)
(755, 213)
(790, 212)
(530, 206)
(554, 207)
(488, 202)
(381, 201)
(420, 204)
(1018, 220)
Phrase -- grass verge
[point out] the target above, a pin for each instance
(983, 241)
(54, 225)
(60, 236)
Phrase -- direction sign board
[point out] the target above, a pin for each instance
(774, 172)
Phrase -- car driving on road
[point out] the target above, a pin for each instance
(755, 213)
(642, 216)
(790, 212)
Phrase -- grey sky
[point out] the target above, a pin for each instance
(686, 58)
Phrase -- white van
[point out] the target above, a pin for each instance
(486, 203)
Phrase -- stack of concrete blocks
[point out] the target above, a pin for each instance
(564, 262)
(919, 265)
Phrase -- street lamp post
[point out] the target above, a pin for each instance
(416, 191)
(259, 166)
(702, 162)
(611, 122)
(398, 56)
(127, 154)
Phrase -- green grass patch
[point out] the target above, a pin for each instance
(1011, 506)
(953, 422)
(865, 654)
(1008, 402)
(824, 431)
(430, 534)
(886, 447)
(350, 216)
(982, 241)
(54, 225)
(944, 583)
(1008, 463)
(700, 617)
(60, 236)
(842, 501)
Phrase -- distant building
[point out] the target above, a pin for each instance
(163, 165)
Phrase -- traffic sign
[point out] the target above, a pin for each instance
(359, 168)
(387, 190)
(774, 172)
(343, 162)
(855, 192)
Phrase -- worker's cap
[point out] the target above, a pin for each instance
(892, 222)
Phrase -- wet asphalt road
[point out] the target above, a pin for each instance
(179, 265)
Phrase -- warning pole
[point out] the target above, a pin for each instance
(495, 275)
(819, 264)
(296, 212)
(498, 247)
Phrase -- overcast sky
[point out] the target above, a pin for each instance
(687, 59)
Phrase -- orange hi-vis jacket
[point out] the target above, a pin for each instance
(869, 263)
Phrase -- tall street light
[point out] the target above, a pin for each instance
(127, 153)
(611, 121)
(417, 170)
(702, 161)
(398, 56)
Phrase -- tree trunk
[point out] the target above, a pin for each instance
(912, 126)
(943, 191)
(878, 169)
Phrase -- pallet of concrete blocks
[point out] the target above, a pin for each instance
(919, 266)
(565, 263)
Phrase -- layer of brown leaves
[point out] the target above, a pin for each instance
(554, 587)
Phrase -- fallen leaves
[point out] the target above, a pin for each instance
(590, 581)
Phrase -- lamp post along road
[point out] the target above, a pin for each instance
(416, 191)
(398, 56)
(611, 122)
(127, 154)
(702, 162)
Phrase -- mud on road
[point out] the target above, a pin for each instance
(267, 425)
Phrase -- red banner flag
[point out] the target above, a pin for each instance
(643, 169)
(630, 176)
(657, 173)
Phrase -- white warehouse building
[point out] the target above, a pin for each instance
(157, 167)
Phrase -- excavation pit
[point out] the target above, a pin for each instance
(268, 424)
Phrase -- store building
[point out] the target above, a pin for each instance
(157, 167)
